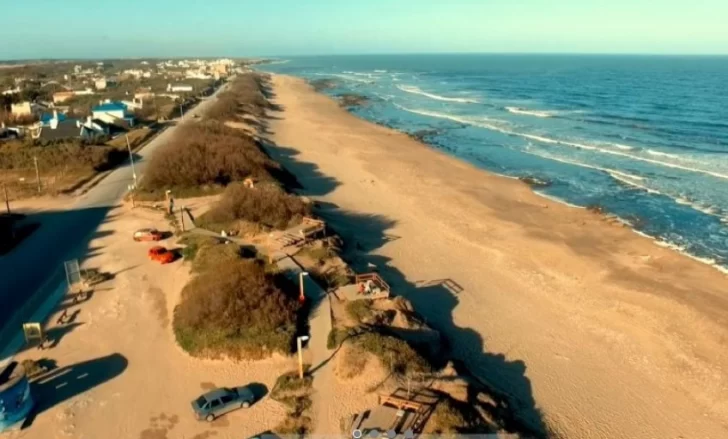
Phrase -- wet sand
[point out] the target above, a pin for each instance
(592, 330)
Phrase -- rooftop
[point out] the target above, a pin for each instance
(110, 106)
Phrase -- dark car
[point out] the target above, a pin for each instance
(220, 401)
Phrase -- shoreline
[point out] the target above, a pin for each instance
(562, 313)
(657, 240)
(660, 241)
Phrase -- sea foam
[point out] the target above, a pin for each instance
(525, 112)
(583, 146)
(416, 90)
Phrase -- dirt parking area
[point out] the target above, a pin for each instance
(115, 369)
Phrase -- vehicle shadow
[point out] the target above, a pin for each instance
(259, 390)
(63, 383)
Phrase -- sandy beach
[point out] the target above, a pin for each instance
(593, 330)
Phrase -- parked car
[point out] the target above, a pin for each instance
(147, 235)
(217, 402)
(161, 254)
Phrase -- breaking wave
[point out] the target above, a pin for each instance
(416, 90)
(536, 113)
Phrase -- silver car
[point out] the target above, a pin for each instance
(217, 402)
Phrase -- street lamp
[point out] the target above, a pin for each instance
(300, 354)
(131, 158)
(301, 296)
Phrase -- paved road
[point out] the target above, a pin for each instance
(34, 271)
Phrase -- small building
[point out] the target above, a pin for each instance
(22, 109)
(113, 112)
(59, 129)
(63, 96)
(46, 118)
(100, 84)
(84, 92)
(11, 91)
(135, 104)
(179, 88)
(96, 127)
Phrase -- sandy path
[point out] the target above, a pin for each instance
(593, 330)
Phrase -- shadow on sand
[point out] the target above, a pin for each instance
(33, 274)
(436, 300)
(61, 384)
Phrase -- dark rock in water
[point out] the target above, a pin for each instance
(352, 100)
(323, 84)
(596, 208)
(422, 135)
(534, 181)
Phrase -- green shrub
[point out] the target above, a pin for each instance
(207, 153)
(360, 310)
(267, 205)
(447, 419)
(394, 353)
(295, 393)
(289, 384)
(235, 309)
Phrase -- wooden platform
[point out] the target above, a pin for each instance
(366, 286)
(399, 412)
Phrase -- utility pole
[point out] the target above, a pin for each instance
(37, 173)
(7, 201)
(131, 158)
(182, 217)
(180, 110)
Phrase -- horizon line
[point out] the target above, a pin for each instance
(652, 54)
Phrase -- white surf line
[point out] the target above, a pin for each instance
(572, 144)
(418, 91)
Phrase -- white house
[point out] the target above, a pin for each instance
(112, 112)
(24, 109)
(135, 104)
(197, 74)
(11, 91)
(179, 88)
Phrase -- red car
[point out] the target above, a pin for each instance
(147, 235)
(161, 255)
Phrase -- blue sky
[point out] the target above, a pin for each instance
(146, 28)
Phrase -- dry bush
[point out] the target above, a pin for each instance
(360, 310)
(63, 154)
(236, 310)
(447, 419)
(295, 393)
(204, 154)
(210, 257)
(267, 205)
(396, 354)
(351, 361)
(244, 95)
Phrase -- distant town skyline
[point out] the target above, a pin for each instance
(181, 28)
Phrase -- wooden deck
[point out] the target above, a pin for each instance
(405, 414)
(366, 286)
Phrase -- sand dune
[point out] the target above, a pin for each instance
(594, 331)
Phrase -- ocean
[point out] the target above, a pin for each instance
(643, 137)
